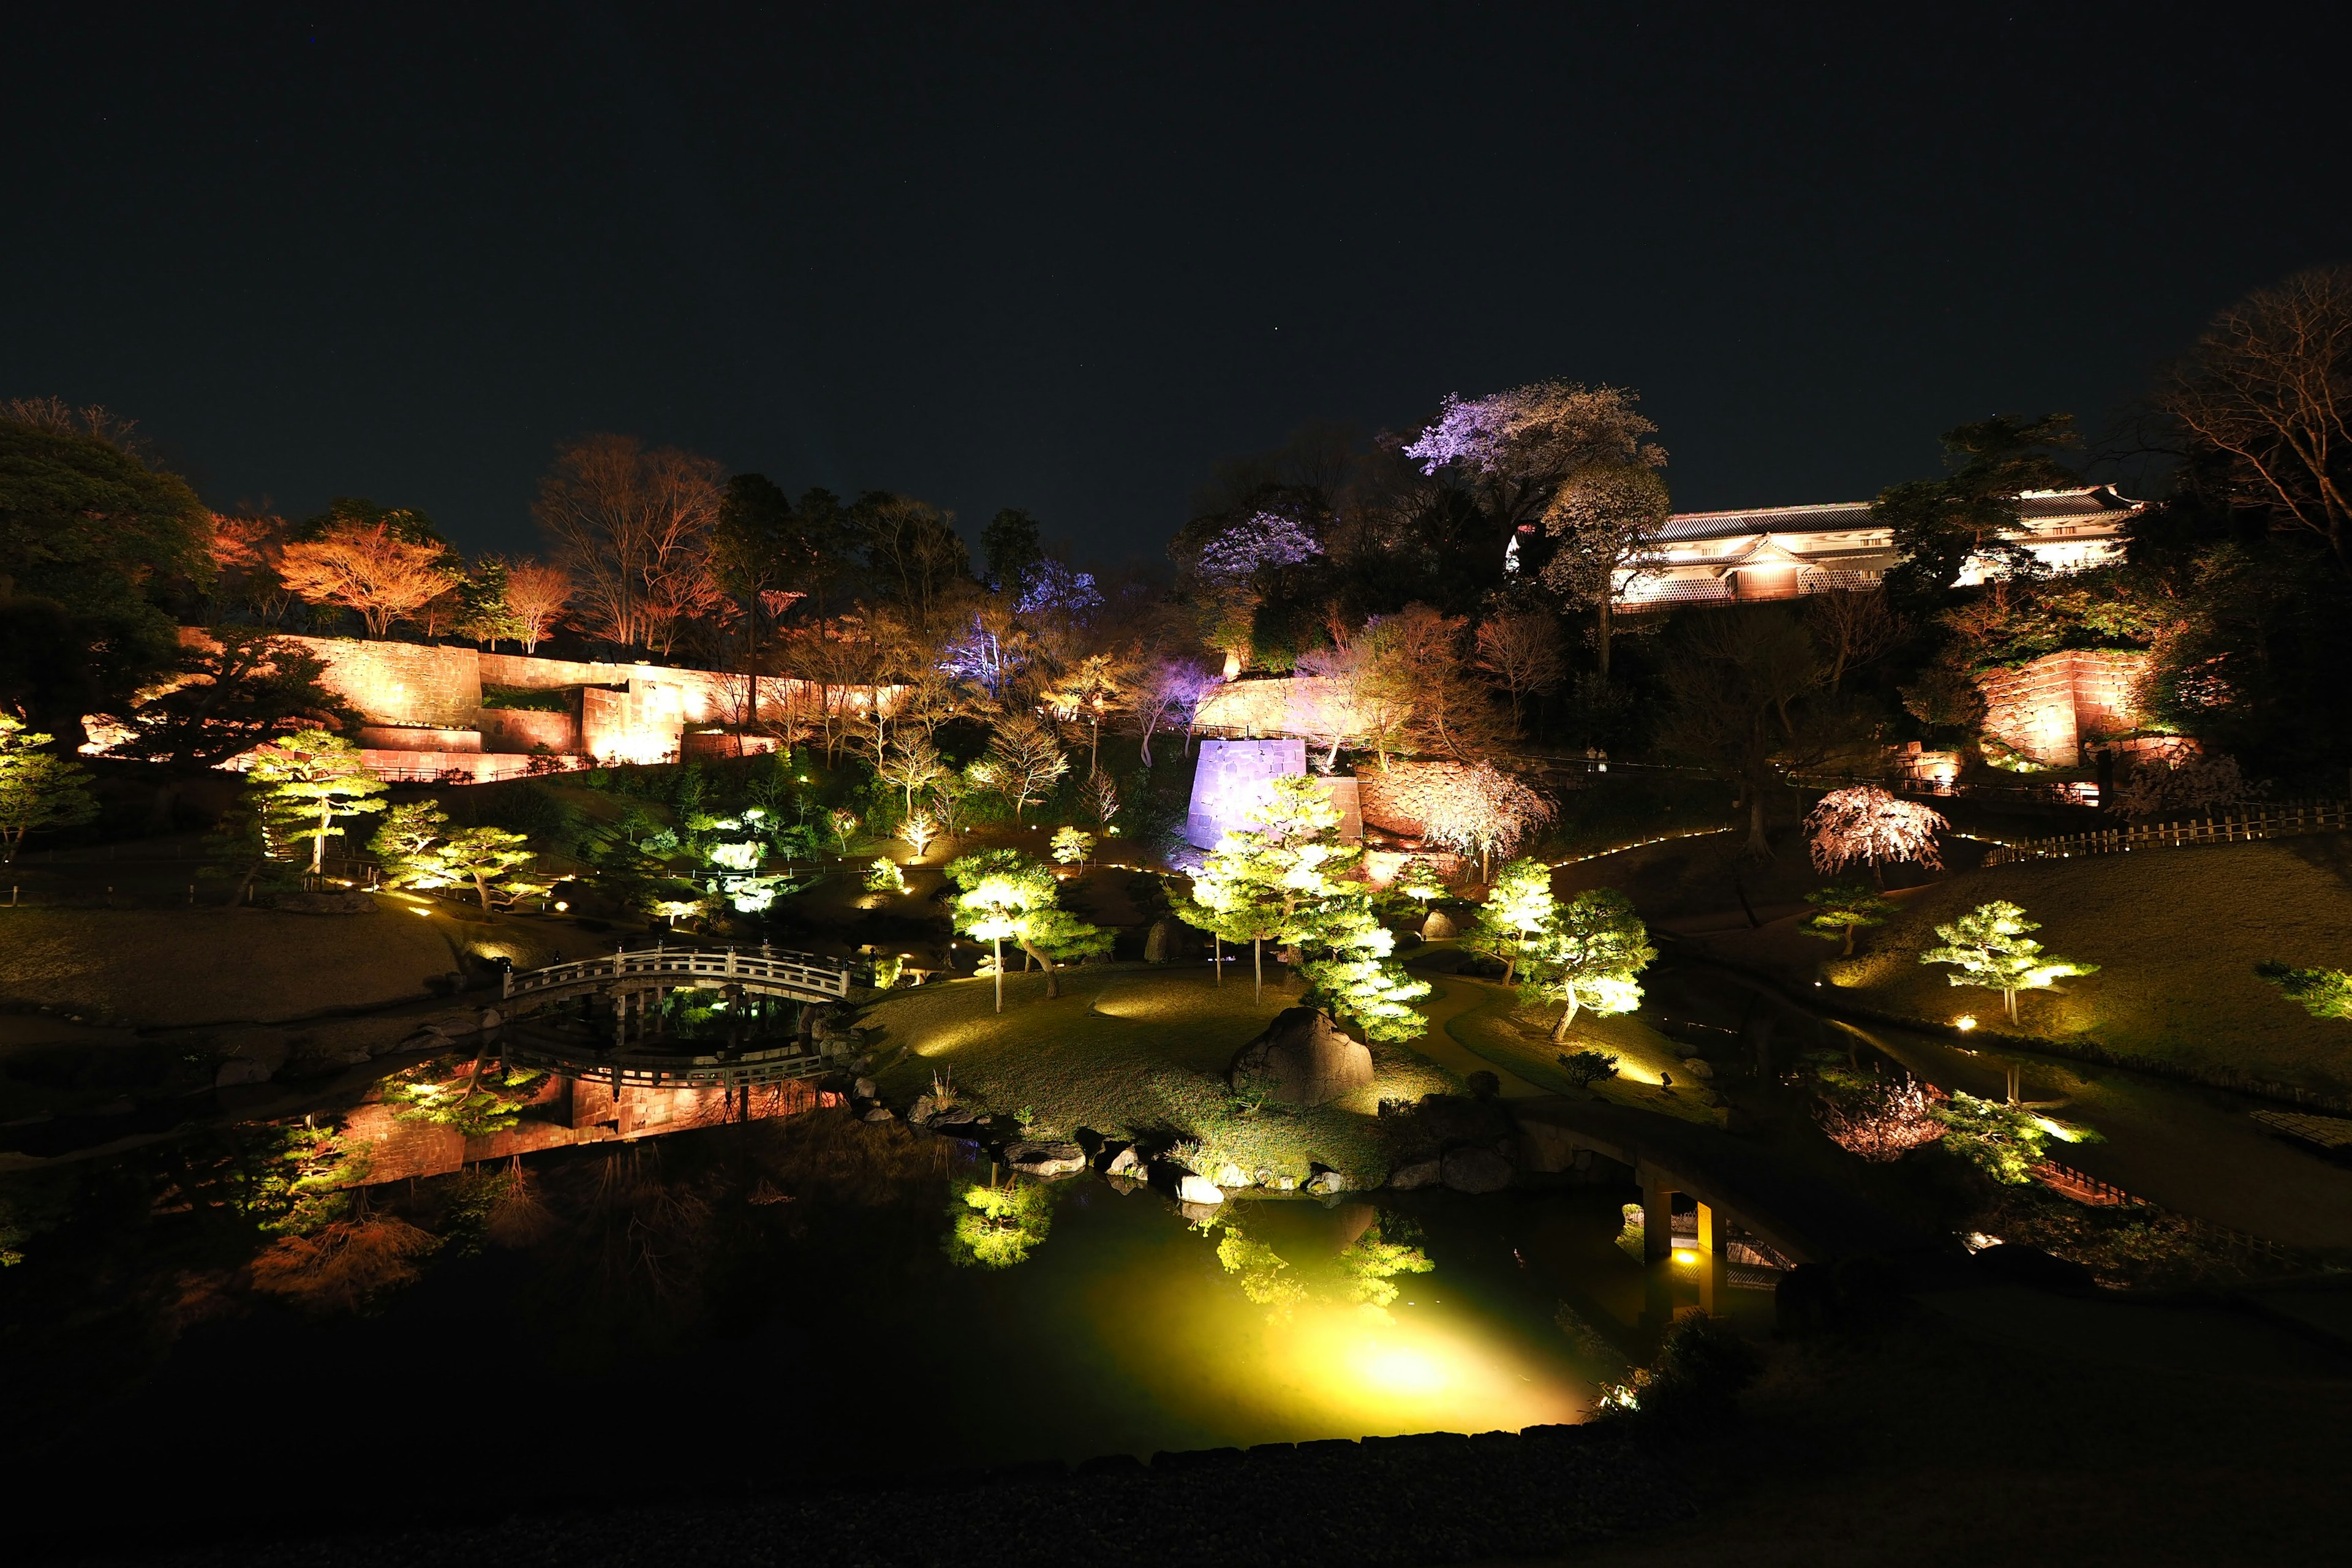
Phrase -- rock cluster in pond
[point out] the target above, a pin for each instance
(1302, 1058)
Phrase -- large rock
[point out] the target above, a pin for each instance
(1438, 927)
(1413, 1175)
(1160, 942)
(1046, 1159)
(1476, 1171)
(1302, 1059)
(1192, 1189)
(1126, 1162)
(1231, 1175)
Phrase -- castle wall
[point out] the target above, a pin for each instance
(2048, 708)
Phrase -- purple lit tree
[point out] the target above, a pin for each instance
(1517, 447)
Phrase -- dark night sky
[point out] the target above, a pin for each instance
(1066, 259)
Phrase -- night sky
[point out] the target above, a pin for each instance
(1066, 260)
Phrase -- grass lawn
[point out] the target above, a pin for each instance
(2177, 934)
(1131, 1048)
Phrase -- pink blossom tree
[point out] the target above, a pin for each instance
(1866, 826)
(1517, 447)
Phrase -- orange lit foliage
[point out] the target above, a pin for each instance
(368, 568)
(536, 596)
(346, 1265)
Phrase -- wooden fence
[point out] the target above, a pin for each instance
(2275, 819)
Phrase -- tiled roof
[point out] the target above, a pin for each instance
(1840, 517)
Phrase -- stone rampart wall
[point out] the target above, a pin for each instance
(2048, 708)
(1308, 706)
(1401, 800)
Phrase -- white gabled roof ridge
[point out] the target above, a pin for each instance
(1768, 511)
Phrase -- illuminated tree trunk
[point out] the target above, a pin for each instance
(1257, 968)
(1217, 956)
(998, 942)
(1600, 630)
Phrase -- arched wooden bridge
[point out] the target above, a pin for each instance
(626, 990)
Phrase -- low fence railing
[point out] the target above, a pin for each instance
(2275, 820)
(2085, 1188)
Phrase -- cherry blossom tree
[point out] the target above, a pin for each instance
(1166, 693)
(1516, 448)
(1604, 520)
(1881, 1121)
(1866, 826)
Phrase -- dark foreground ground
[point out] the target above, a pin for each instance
(2001, 1425)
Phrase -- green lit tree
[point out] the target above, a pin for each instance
(309, 782)
(1071, 847)
(1591, 960)
(417, 850)
(1257, 883)
(1005, 894)
(2004, 1142)
(2322, 992)
(1520, 908)
(1839, 912)
(1988, 946)
(38, 789)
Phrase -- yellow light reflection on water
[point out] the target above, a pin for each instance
(1216, 1362)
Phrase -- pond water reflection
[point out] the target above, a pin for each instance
(752, 1304)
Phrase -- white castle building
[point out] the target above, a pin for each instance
(1783, 551)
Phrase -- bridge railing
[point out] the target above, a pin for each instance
(798, 971)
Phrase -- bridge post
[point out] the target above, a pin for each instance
(1710, 1258)
(1657, 1217)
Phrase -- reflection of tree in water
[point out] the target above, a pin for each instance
(1362, 1272)
(995, 1226)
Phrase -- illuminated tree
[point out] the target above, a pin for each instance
(1519, 909)
(1988, 947)
(998, 1226)
(368, 567)
(1522, 653)
(485, 611)
(417, 850)
(912, 763)
(2182, 785)
(307, 783)
(1349, 973)
(2322, 992)
(1604, 520)
(1088, 690)
(1166, 693)
(1071, 847)
(1866, 826)
(1253, 886)
(38, 789)
(1481, 811)
(1516, 448)
(1006, 894)
(1839, 912)
(1591, 960)
(1024, 761)
(536, 596)
(633, 530)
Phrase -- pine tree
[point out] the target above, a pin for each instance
(1839, 912)
(308, 782)
(37, 788)
(1007, 894)
(1519, 909)
(1988, 946)
(1591, 961)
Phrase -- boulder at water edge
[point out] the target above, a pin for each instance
(1302, 1059)
(1193, 1189)
(1476, 1171)
(1046, 1159)
(1413, 1175)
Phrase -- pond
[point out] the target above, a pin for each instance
(760, 1303)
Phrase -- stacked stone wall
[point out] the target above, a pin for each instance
(520, 729)
(1403, 800)
(2048, 708)
(1311, 707)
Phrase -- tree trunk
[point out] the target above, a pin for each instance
(1849, 942)
(1600, 628)
(1258, 967)
(999, 944)
(1567, 1016)
(1053, 972)
(1217, 956)
(1759, 847)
